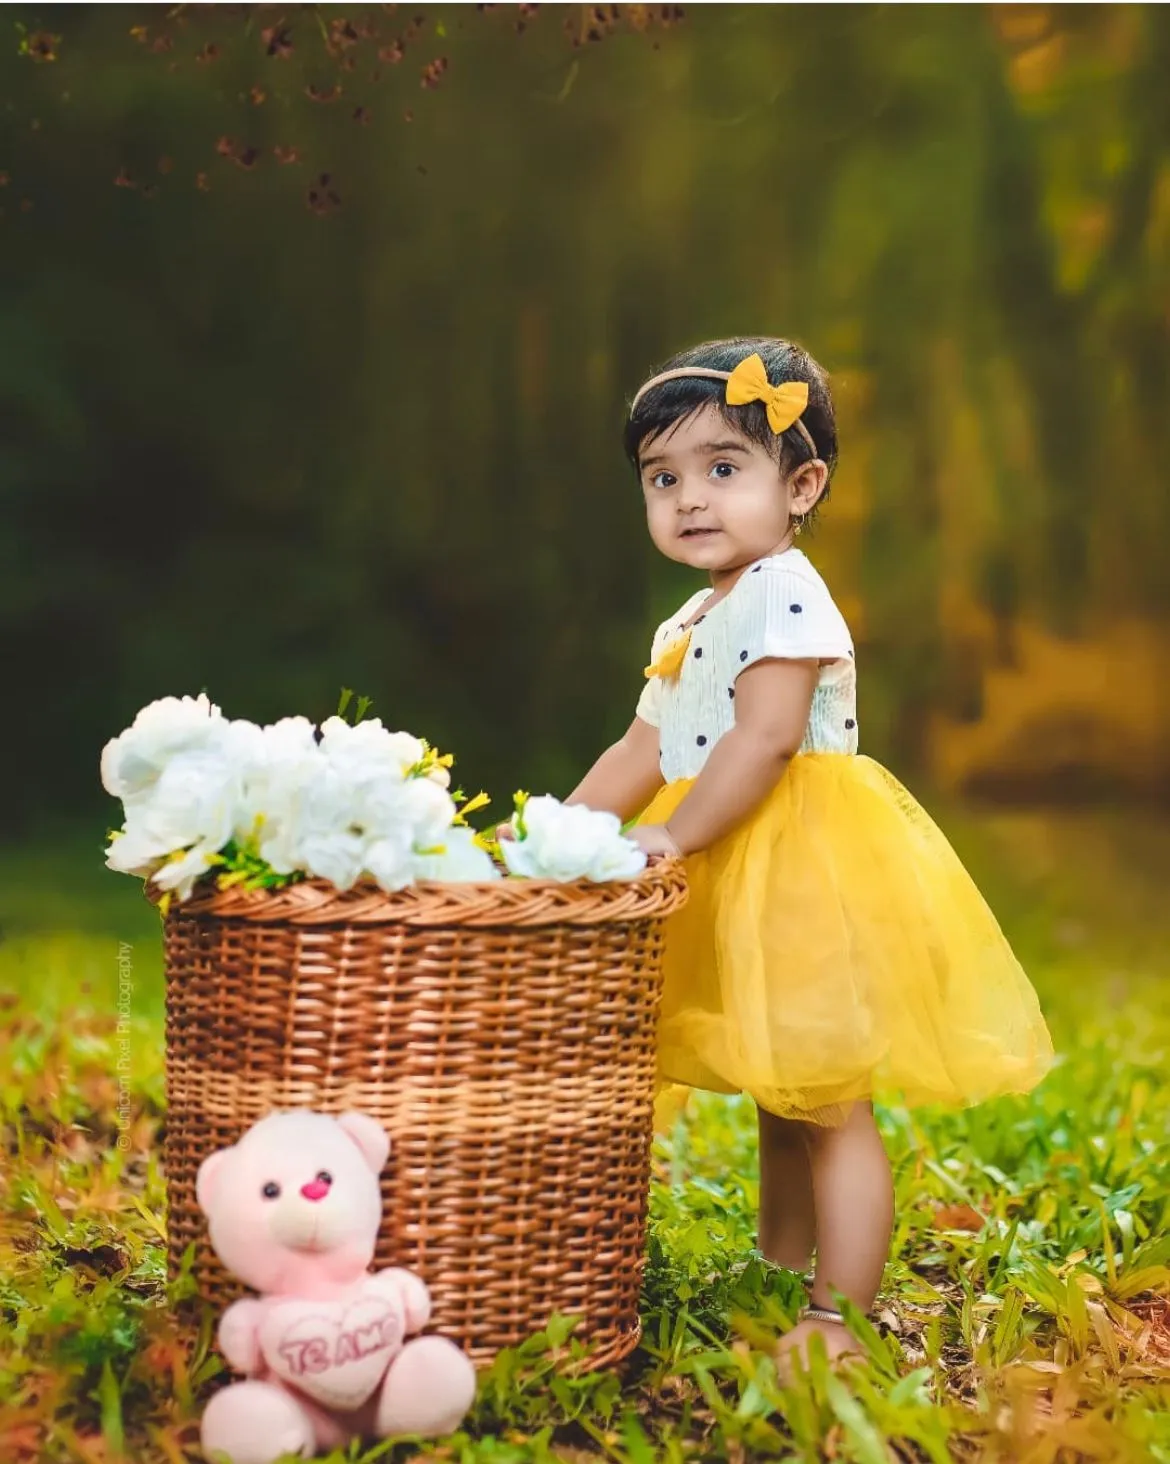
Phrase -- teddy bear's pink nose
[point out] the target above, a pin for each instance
(315, 1190)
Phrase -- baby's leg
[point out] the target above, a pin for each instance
(787, 1222)
(854, 1195)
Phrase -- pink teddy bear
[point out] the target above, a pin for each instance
(293, 1211)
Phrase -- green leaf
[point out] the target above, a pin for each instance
(911, 1389)
(110, 1398)
(638, 1447)
(871, 1448)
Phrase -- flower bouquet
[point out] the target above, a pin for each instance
(207, 798)
(338, 937)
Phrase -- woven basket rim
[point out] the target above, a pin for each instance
(659, 890)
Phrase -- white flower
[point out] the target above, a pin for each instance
(130, 852)
(418, 803)
(192, 804)
(461, 859)
(363, 745)
(565, 842)
(334, 855)
(616, 857)
(368, 746)
(191, 782)
(180, 874)
(177, 771)
(406, 819)
(338, 814)
(195, 800)
(278, 760)
(132, 762)
(310, 822)
(390, 861)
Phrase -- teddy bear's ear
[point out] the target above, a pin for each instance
(205, 1179)
(369, 1135)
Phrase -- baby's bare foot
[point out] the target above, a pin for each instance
(836, 1337)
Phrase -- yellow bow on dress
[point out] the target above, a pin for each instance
(670, 659)
(749, 383)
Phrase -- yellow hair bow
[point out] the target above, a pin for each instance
(670, 659)
(749, 383)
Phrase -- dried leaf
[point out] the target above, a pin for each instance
(342, 34)
(278, 41)
(959, 1217)
(433, 73)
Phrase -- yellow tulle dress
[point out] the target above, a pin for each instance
(833, 947)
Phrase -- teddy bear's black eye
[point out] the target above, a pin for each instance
(324, 1176)
(271, 1190)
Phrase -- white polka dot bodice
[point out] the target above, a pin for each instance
(779, 607)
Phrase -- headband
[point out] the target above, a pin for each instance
(749, 383)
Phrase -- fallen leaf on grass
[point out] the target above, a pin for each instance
(958, 1217)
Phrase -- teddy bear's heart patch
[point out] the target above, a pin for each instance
(336, 1352)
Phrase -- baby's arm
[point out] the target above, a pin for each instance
(772, 703)
(626, 776)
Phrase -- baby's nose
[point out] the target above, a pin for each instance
(316, 1189)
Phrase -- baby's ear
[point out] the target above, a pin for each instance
(369, 1135)
(205, 1184)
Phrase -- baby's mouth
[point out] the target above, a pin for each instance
(698, 533)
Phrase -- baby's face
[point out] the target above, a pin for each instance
(715, 500)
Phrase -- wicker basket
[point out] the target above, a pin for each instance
(503, 1033)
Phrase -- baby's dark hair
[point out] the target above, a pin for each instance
(665, 405)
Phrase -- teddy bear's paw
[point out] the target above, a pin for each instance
(254, 1423)
(428, 1390)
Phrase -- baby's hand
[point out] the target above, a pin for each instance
(656, 840)
(505, 831)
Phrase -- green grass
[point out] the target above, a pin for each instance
(1024, 1317)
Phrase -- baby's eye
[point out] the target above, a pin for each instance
(657, 480)
(717, 470)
